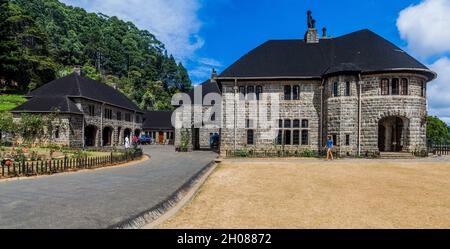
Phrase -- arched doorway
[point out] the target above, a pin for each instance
(90, 133)
(137, 132)
(107, 136)
(127, 134)
(393, 134)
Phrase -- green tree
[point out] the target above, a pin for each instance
(44, 39)
(437, 130)
(6, 123)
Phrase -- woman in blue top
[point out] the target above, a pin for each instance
(329, 148)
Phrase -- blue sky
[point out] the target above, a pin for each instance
(214, 33)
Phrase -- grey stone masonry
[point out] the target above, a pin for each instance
(360, 113)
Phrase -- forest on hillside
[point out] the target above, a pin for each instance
(41, 40)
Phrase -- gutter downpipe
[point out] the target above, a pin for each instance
(359, 112)
(235, 112)
(101, 124)
(82, 134)
(321, 88)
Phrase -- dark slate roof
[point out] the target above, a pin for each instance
(363, 51)
(75, 85)
(207, 87)
(49, 104)
(158, 120)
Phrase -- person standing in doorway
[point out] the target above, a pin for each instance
(330, 143)
(127, 143)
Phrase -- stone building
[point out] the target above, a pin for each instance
(94, 113)
(159, 127)
(203, 120)
(360, 89)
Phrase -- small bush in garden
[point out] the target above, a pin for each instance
(79, 154)
(241, 153)
(308, 153)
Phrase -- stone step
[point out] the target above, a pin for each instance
(396, 155)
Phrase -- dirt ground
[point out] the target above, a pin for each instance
(296, 193)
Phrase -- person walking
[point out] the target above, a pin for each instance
(329, 148)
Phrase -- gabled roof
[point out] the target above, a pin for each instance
(42, 104)
(363, 50)
(157, 120)
(75, 85)
(207, 86)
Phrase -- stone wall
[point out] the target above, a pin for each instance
(341, 112)
(196, 114)
(306, 107)
(118, 126)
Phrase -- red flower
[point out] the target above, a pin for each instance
(8, 163)
(24, 150)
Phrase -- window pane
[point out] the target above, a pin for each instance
(251, 92)
(395, 87)
(384, 87)
(287, 123)
(296, 123)
(347, 88)
(424, 89)
(279, 137)
(296, 92)
(296, 137)
(335, 89)
(305, 137)
(287, 137)
(242, 93)
(287, 92)
(404, 86)
(305, 123)
(280, 123)
(250, 137)
(258, 92)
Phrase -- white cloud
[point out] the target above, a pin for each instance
(210, 62)
(439, 89)
(174, 22)
(200, 73)
(425, 27)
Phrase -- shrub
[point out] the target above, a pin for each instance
(79, 154)
(308, 153)
(241, 153)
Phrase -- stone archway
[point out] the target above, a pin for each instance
(393, 134)
(90, 135)
(107, 136)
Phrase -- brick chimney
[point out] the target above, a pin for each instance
(311, 35)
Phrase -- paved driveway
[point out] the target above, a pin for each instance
(101, 198)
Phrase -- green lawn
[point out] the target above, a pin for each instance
(10, 101)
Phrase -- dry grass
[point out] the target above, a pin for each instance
(318, 194)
